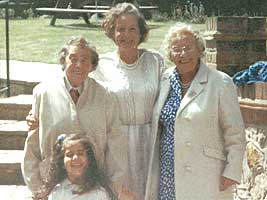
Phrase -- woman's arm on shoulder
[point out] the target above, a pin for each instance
(30, 164)
(32, 118)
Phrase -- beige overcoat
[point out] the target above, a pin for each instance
(95, 114)
(208, 137)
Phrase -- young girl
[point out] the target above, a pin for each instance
(74, 173)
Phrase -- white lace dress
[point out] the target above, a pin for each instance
(63, 191)
(136, 88)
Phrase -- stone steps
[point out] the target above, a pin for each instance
(25, 75)
(18, 87)
(13, 134)
(10, 170)
(16, 107)
(13, 131)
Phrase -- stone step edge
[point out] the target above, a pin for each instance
(15, 192)
(10, 157)
(17, 127)
(17, 100)
(10, 167)
(13, 134)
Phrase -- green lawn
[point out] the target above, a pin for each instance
(34, 40)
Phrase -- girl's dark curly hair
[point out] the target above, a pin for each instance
(57, 172)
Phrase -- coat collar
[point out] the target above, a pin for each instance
(202, 74)
(196, 88)
(86, 93)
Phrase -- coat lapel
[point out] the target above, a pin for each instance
(163, 92)
(85, 95)
(196, 88)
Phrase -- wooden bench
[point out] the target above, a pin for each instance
(69, 11)
(82, 10)
(146, 10)
(148, 7)
(96, 7)
(108, 7)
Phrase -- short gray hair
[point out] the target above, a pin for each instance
(176, 31)
(78, 41)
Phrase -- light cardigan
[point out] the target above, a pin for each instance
(94, 114)
(208, 137)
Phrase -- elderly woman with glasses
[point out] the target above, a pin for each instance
(197, 128)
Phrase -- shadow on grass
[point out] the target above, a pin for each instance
(155, 26)
(80, 26)
(84, 26)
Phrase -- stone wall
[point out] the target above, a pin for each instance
(234, 43)
(18, 87)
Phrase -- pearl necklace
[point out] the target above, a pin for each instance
(186, 85)
(132, 65)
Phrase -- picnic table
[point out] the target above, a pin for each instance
(146, 10)
(53, 11)
(70, 10)
(67, 8)
(108, 7)
(96, 7)
(80, 7)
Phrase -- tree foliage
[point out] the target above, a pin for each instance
(216, 7)
(170, 7)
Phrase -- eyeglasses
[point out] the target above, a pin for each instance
(185, 49)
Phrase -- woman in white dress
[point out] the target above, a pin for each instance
(74, 172)
(133, 74)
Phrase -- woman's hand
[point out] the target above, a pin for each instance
(39, 198)
(32, 122)
(126, 194)
(226, 182)
(123, 193)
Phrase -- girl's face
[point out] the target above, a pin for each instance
(75, 161)
(127, 33)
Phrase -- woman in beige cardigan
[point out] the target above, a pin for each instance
(197, 129)
(93, 113)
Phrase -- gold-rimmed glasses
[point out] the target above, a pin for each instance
(179, 50)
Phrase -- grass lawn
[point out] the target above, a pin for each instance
(34, 40)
